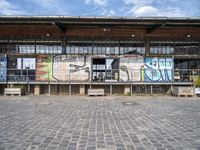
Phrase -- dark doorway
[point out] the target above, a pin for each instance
(105, 69)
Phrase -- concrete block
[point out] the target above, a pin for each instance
(37, 90)
(127, 89)
(82, 89)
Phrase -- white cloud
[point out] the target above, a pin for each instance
(153, 11)
(138, 2)
(49, 7)
(110, 12)
(96, 2)
(154, 8)
(87, 2)
(7, 8)
(172, 12)
(45, 3)
(145, 11)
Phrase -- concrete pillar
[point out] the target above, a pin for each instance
(82, 89)
(127, 89)
(111, 90)
(37, 90)
(49, 88)
(131, 90)
(70, 89)
(29, 88)
(151, 89)
(171, 89)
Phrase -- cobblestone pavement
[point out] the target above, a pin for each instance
(102, 123)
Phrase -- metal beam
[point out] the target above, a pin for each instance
(59, 26)
(154, 27)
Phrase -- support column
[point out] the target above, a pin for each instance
(82, 89)
(171, 90)
(111, 90)
(36, 89)
(70, 89)
(131, 89)
(29, 88)
(127, 90)
(49, 89)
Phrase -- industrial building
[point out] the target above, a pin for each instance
(69, 55)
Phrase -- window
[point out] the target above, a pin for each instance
(132, 47)
(26, 49)
(186, 48)
(105, 69)
(161, 47)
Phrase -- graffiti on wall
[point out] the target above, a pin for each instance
(3, 68)
(44, 68)
(131, 67)
(77, 68)
(158, 69)
(74, 68)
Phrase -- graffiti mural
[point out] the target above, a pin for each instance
(74, 68)
(44, 68)
(131, 68)
(158, 69)
(3, 68)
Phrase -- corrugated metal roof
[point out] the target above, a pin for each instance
(101, 17)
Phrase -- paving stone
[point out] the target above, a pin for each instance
(102, 123)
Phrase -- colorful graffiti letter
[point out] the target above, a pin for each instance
(74, 68)
(131, 68)
(44, 68)
(158, 69)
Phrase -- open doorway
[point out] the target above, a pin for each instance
(105, 69)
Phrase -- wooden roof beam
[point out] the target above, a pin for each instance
(59, 26)
(154, 27)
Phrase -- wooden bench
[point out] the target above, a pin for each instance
(96, 92)
(12, 91)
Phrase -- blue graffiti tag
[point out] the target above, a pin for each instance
(158, 69)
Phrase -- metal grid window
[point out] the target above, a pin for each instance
(187, 48)
(162, 47)
(132, 47)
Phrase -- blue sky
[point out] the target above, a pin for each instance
(169, 8)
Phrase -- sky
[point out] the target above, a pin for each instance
(116, 8)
